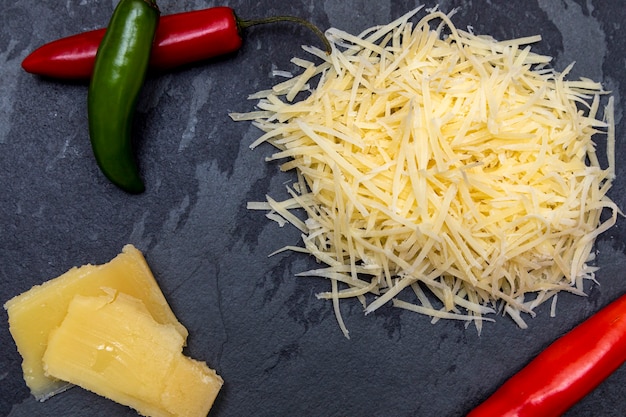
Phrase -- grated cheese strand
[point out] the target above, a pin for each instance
(451, 175)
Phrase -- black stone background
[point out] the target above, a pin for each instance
(278, 348)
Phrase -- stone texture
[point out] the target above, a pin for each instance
(277, 347)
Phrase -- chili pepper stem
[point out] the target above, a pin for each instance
(243, 24)
(153, 4)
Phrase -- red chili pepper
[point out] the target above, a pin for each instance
(181, 39)
(565, 371)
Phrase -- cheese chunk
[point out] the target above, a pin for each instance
(33, 314)
(112, 346)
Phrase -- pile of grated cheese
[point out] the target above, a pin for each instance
(448, 173)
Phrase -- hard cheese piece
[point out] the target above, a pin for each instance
(112, 346)
(33, 314)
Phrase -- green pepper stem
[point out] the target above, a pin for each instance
(153, 4)
(243, 24)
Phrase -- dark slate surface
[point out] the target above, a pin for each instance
(277, 346)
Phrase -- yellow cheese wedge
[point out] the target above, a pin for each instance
(112, 346)
(33, 314)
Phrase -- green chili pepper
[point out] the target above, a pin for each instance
(119, 74)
